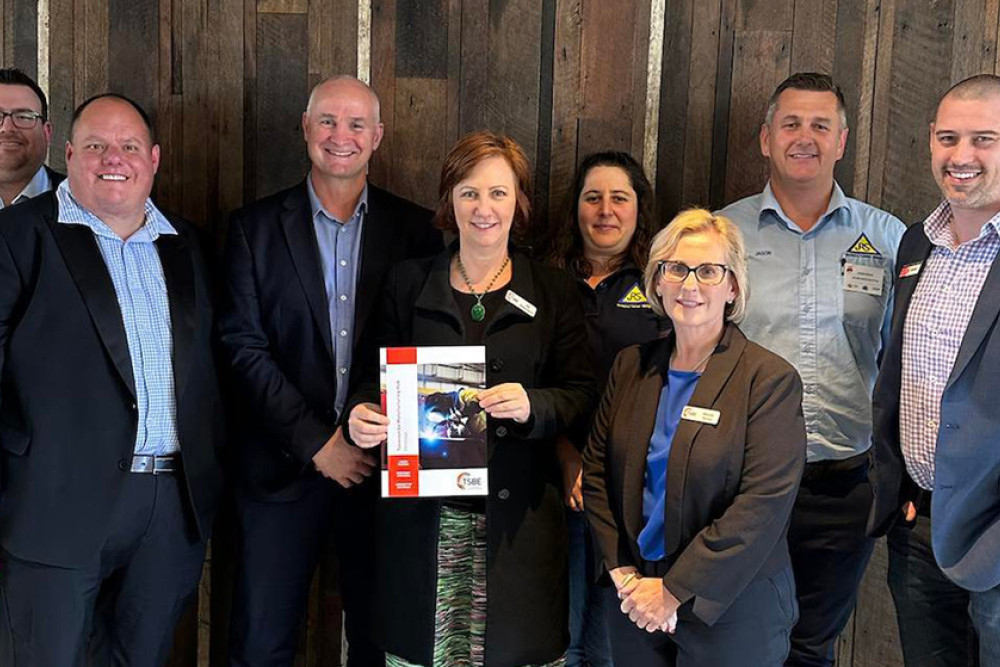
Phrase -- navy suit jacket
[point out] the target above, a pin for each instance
(275, 328)
(965, 505)
(67, 395)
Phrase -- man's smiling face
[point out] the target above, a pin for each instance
(965, 151)
(805, 137)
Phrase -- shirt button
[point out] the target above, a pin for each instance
(123, 465)
(343, 297)
(932, 423)
(503, 494)
(343, 262)
(343, 370)
(501, 431)
(343, 333)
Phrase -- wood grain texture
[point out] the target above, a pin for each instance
(760, 63)
(814, 35)
(675, 88)
(23, 36)
(566, 102)
(282, 6)
(61, 78)
(921, 52)
(421, 127)
(384, 84)
(698, 137)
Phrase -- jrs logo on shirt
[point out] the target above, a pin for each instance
(634, 298)
(863, 247)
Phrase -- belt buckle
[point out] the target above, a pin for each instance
(168, 462)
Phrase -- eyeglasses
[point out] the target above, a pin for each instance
(677, 272)
(23, 120)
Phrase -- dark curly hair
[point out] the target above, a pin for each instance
(566, 241)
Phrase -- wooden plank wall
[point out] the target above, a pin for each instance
(226, 82)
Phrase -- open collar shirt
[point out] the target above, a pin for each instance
(137, 275)
(799, 308)
(340, 256)
(951, 279)
(40, 183)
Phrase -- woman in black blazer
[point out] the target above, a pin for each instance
(461, 582)
(692, 467)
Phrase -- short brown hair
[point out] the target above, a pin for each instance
(809, 81)
(470, 150)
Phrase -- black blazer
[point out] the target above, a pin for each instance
(67, 405)
(965, 519)
(730, 487)
(526, 542)
(275, 327)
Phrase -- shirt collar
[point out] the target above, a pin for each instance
(317, 205)
(937, 226)
(40, 183)
(769, 202)
(72, 213)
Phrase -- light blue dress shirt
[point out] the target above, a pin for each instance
(137, 275)
(340, 256)
(39, 184)
(799, 308)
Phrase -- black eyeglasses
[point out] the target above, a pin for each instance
(23, 120)
(677, 272)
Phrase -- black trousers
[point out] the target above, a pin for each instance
(830, 549)
(280, 546)
(145, 576)
(755, 630)
(933, 613)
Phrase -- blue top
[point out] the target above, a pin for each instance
(137, 275)
(676, 393)
(800, 307)
(340, 255)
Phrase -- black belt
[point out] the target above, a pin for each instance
(156, 465)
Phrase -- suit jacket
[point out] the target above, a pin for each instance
(730, 487)
(965, 505)
(525, 530)
(275, 328)
(67, 395)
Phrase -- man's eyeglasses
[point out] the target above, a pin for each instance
(23, 120)
(677, 272)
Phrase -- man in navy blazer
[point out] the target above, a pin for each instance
(937, 422)
(110, 411)
(303, 271)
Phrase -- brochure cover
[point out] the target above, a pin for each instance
(437, 431)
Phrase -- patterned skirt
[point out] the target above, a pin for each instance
(460, 623)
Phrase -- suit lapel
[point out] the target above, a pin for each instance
(85, 263)
(983, 317)
(908, 285)
(178, 273)
(376, 236)
(296, 221)
(706, 393)
(645, 399)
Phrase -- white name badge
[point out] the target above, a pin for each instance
(864, 279)
(700, 415)
(521, 303)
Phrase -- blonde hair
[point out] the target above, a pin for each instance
(699, 221)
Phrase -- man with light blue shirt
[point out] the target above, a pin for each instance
(25, 132)
(303, 278)
(110, 415)
(822, 268)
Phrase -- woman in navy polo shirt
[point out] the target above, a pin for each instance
(603, 243)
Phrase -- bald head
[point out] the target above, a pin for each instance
(976, 88)
(344, 83)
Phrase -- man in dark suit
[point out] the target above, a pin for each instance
(304, 268)
(937, 429)
(110, 410)
(25, 132)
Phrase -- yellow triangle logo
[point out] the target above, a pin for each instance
(634, 295)
(863, 247)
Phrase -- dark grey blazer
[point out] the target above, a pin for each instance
(965, 506)
(730, 487)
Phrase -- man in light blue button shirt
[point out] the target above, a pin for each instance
(25, 132)
(822, 268)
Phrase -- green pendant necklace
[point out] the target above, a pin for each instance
(478, 310)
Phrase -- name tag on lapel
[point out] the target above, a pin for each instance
(700, 415)
(910, 270)
(520, 303)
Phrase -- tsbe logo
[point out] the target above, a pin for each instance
(469, 481)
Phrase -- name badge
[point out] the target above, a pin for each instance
(910, 270)
(520, 303)
(700, 415)
(863, 278)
